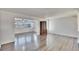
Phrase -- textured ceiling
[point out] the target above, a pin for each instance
(38, 12)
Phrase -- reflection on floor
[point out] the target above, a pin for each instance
(26, 41)
(33, 42)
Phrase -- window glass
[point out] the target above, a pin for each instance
(23, 23)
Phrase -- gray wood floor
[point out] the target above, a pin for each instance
(49, 42)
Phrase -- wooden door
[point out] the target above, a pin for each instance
(43, 27)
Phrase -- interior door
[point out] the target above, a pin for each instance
(43, 27)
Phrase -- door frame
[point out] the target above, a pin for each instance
(45, 27)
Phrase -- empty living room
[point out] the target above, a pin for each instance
(39, 29)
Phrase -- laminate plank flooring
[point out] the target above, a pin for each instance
(34, 42)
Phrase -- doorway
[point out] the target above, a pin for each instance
(43, 28)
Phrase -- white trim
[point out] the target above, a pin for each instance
(74, 36)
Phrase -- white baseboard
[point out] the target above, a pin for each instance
(6, 42)
(73, 36)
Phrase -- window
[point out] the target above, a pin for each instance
(23, 23)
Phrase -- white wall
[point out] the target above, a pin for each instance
(0, 31)
(37, 26)
(7, 27)
(63, 26)
(78, 26)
